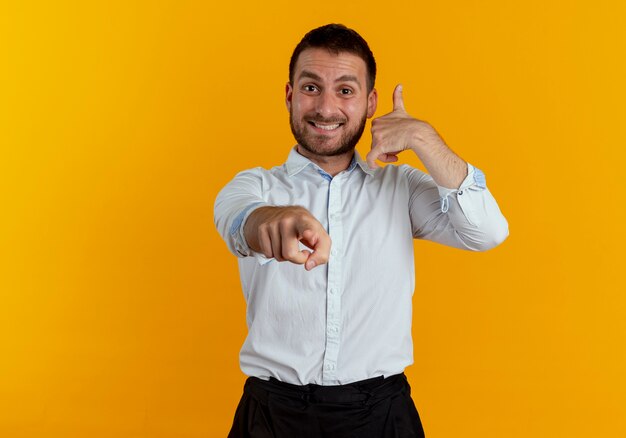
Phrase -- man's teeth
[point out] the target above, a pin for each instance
(327, 127)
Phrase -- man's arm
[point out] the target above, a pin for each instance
(450, 205)
(251, 226)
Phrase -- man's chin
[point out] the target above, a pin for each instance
(326, 150)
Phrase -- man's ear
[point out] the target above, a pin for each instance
(372, 101)
(288, 95)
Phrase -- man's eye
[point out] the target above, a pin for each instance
(310, 88)
(346, 91)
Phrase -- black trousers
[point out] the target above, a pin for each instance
(373, 408)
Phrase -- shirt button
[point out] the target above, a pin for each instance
(461, 192)
(333, 290)
(333, 252)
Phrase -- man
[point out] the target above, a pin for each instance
(326, 253)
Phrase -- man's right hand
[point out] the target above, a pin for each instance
(276, 232)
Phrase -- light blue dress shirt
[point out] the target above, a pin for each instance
(350, 319)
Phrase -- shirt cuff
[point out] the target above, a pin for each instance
(474, 180)
(236, 229)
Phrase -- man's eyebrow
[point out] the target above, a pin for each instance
(348, 78)
(310, 74)
(344, 78)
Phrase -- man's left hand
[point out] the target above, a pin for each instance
(396, 132)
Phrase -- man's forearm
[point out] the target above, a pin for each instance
(443, 165)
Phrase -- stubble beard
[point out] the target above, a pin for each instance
(310, 142)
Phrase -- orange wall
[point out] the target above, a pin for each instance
(121, 313)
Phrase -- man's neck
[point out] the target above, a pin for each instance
(331, 165)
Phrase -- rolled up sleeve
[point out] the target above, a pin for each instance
(234, 204)
(467, 217)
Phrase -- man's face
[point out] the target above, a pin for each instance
(328, 102)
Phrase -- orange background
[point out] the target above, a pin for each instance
(121, 313)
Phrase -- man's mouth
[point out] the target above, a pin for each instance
(325, 126)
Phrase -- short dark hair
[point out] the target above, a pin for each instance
(336, 38)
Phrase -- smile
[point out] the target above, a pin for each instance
(326, 127)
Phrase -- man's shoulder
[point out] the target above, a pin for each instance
(263, 171)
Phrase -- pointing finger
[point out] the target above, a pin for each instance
(321, 249)
(398, 101)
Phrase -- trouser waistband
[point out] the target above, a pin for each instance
(362, 391)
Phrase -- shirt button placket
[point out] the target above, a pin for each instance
(333, 292)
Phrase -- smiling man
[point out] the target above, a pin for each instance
(326, 255)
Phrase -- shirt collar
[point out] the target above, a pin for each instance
(296, 162)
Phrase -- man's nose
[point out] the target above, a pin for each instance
(326, 104)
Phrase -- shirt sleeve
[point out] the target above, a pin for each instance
(234, 204)
(467, 217)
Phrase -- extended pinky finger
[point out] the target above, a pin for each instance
(388, 158)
